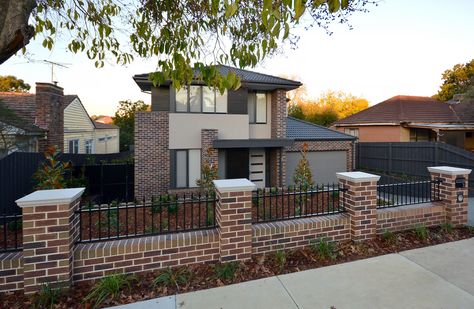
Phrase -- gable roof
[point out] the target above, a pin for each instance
(248, 78)
(404, 108)
(68, 98)
(298, 129)
(100, 125)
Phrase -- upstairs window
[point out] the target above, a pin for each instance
(257, 107)
(200, 99)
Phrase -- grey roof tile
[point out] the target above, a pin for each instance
(298, 129)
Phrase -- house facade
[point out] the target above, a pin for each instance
(48, 117)
(243, 132)
(411, 119)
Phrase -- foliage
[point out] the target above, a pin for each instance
(459, 79)
(208, 173)
(50, 174)
(15, 225)
(389, 237)
(109, 287)
(302, 177)
(10, 83)
(125, 120)
(47, 296)
(447, 228)
(421, 232)
(226, 271)
(324, 249)
(8, 131)
(173, 277)
(178, 33)
(280, 259)
(327, 109)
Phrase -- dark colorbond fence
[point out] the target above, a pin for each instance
(412, 159)
(274, 204)
(162, 214)
(408, 193)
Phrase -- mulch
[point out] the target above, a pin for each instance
(203, 276)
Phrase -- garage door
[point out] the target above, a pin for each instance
(324, 165)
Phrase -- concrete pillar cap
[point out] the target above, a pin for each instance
(234, 185)
(449, 170)
(50, 197)
(357, 176)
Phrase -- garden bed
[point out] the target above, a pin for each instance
(204, 276)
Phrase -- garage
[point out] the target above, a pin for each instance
(329, 151)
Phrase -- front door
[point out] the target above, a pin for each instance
(237, 163)
(257, 167)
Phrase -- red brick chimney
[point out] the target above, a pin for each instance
(50, 114)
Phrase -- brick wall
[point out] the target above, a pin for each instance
(277, 167)
(152, 154)
(347, 146)
(406, 217)
(92, 261)
(50, 114)
(207, 151)
(274, 236)
(278, 130)
(11, 271)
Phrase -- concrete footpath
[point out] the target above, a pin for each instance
(440, 276)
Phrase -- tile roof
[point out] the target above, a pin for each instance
(403, 108)
(247, 77)
(298, 129)
(24, 104)
(100, 125)
(465, 111)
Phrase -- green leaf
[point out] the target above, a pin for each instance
(344, 4)
(334, 5)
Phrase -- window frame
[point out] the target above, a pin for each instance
(175, 167)
(201, 105)
(91, 141)
(75, 145)
(254, 107)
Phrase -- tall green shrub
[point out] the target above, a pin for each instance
(208, 174)
(303, 177)
(50, 174)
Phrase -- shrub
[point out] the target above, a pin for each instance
(389, 237)
(50, 174)
(109, 288)
(421, 232)
(47, 296)
(172, 277)
(324, 249)
(302, 177)
(280, 258)
(15, 225)
(226, 271)
(447, 228)
(209, 173)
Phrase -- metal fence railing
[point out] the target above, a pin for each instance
(162, 214)
(408, 193)
(274, 204)
(11, 232)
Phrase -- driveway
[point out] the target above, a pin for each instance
(434, 277)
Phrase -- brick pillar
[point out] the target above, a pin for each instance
(234, 218)
(360, 200)
(456, 211)
(278, 125)
(50, 229)
(208, 152)
(152, 154)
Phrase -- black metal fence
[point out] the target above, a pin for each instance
(11, 236)
(412, 159)
(275, 204)
(162, 214)
(408, 193)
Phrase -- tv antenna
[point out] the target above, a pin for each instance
(53, 64)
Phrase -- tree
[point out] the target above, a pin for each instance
(303, 177)
(459, 79)
(8, 130)
(328, 108)
(125, 120)
(182, 34)
(10, 83)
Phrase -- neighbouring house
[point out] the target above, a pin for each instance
(82, 134)
(245, 132)
(412, 119)
(48, 117)
(104, 119)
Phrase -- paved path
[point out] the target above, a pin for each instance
(434, 277)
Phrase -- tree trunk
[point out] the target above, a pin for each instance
(15, 33)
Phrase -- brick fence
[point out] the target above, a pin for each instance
(51, 253)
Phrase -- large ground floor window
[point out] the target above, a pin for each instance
(187, 167)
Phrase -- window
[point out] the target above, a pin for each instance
(352, 131)
(88, 146)
(197, 99)
(257, 107)
(422, 135)
(187, 167)
(74, 146)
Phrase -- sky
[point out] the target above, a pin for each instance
(399, 47)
